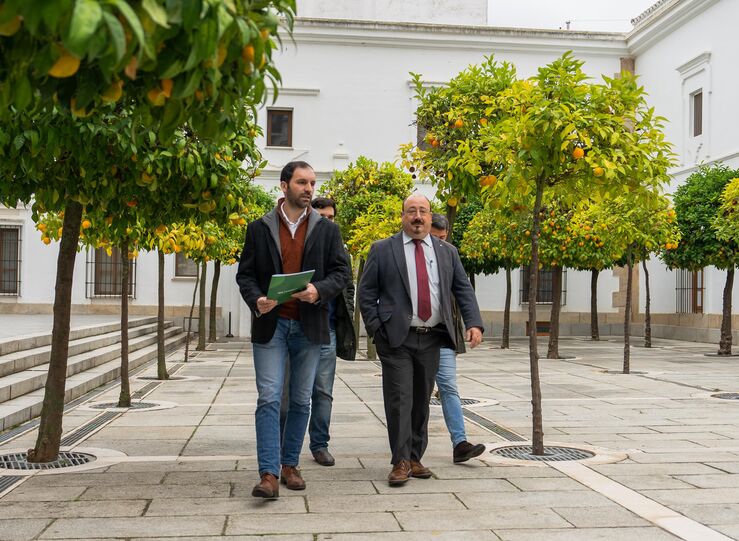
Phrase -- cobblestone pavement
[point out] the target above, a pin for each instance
(188, 468)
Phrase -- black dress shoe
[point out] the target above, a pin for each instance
(324, 458)
(465, 450)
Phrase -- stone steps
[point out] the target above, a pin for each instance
(94, 359)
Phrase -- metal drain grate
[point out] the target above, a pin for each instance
(18, 430)
(18, 461)
(154, 378)
(551, 454)
(465, 401)
(80, 433)
(726, 396)
(7, 481)
(146, 389)
(134, 405)
(501, 431)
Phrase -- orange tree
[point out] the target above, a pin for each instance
(363, 191)
(638, 225)
(698, 205)
(560, 135)
(68, 65)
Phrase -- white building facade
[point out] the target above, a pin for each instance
(346, 92)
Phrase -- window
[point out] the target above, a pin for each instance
(696, 113)
(184, 266)
(10, 260)
(103, 276)
(421, 141)
(279, 128)
(544, 288)
(689, 289)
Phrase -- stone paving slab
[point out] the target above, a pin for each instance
(191, 469)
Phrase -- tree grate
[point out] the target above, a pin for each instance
(134, 405)
(726, 396)
(491, 426)
(80, 433)
(67, 459)
(465, 401)
(551, 454)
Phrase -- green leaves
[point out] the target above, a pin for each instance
(156, 12)
(86, 17)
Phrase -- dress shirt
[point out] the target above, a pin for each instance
(293, 226)
(432, 269)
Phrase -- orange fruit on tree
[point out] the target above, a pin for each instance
(458, 123)
(46, 240)
(483, 121)
(434, 142)
(161, 228)
(167, 85)
(132, 203)
(264, 33)
(113, 93)
(65, 66)
(598, 171)
(452, 201)
(247, 53)
(578, 153)
(9, 28)
(86, 224)
(41, 227)
(156, 96)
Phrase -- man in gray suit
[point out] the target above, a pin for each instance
(406, 301)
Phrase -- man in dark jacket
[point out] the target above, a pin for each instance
(406, 293)
(343, 344)
(290, 238)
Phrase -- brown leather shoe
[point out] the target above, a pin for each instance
(268, 487)
(290, 476)
(400, 474)
(419, 470)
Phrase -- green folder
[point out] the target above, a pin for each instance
(282, 286)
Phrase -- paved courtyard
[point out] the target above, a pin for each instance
(188, 469)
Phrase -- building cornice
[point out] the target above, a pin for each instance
(287, 91)
(662, 19)
(435, 36)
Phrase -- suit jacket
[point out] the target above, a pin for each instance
(261, 258)
(384, 292)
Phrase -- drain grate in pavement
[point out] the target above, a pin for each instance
(146, 389)
(19, 461)
(80, 433)
(726, 396)
(486, 423)
(7, 481)
(134, 405)
(556, 454)
(465, 401)
(18, 430)
(154, 378)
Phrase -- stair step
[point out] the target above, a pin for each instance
(30, 341)
(25, 359)
(21, 383)
(28, 406)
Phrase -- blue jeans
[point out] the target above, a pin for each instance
(323, 388)
(270, 361)
(446, 380)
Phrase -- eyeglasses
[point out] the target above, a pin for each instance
(421, 211)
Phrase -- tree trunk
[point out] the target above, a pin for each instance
(212, 331)
(627, 312)
(202, 325)
(594, 331)
(724, 347)
(52, 411)
(536, 418)
(161, 356)
(506, 342)
(192, 309)
(124, 398)
(553, 349)
(647, 309)
(357, 313)
(451, 216)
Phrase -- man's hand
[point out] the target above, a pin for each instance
(474, 336)
(309, 294)
(265, 305)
